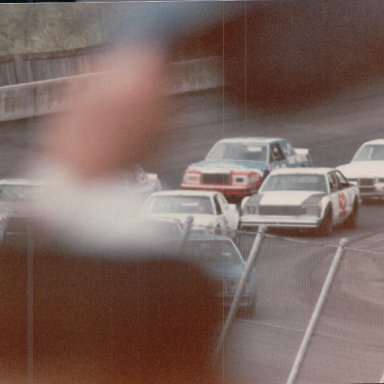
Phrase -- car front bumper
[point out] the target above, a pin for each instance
(369, 187)
(254, 221)
(227, 190)
(375, 193)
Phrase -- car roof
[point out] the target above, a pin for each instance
(184, 192)
(376, 141)
(207, 237)
(261, 140)
(302, 171)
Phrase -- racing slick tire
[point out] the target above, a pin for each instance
(247, 312)
(351, 221)
(325, 228)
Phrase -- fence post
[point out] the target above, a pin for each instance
(22, 68)
(317, 311)
(240, 289)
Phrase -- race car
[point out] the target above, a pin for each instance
(210, 210)
(367, 169)
(237, 166)
(222, 260)
(317, 198)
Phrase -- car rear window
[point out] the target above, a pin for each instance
(180, 204)
(213, 251)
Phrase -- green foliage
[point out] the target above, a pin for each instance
(44, 27)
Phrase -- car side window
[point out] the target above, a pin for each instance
(333, 183)
(217, 205)
(287, 148)
(276, 153)
(343, 182)
(223, 202)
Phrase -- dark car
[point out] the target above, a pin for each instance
(222, 260)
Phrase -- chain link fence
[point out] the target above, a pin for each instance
(297, 331)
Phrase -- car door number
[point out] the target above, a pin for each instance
(342, 204)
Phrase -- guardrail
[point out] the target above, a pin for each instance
(37, 98)
(35, 66)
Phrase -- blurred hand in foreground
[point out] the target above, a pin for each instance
(117, 118)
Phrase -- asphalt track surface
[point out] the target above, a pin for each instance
(348, 345)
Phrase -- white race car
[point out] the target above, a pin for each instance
(317, 198)
(367, 169)
(210, 210)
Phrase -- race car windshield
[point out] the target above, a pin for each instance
(180, 204)
(295, 183)
(238, 151)
(220, 252)
(370, 153)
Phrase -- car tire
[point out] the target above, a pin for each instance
(351, 221)
(325, 228)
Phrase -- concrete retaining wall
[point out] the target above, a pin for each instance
(47, 96)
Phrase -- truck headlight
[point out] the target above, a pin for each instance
(191, 178)
(246, 178)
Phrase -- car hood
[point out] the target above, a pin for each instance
(287, 198)
(363, 169)
(227, 165)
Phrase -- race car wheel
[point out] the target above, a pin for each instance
(351, 221)
(325, 228)
(248, 311)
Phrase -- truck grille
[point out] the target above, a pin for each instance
(216, 178)
(281, 210)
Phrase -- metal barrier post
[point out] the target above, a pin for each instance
(240, 289)
(382, 379)
(317, 311)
